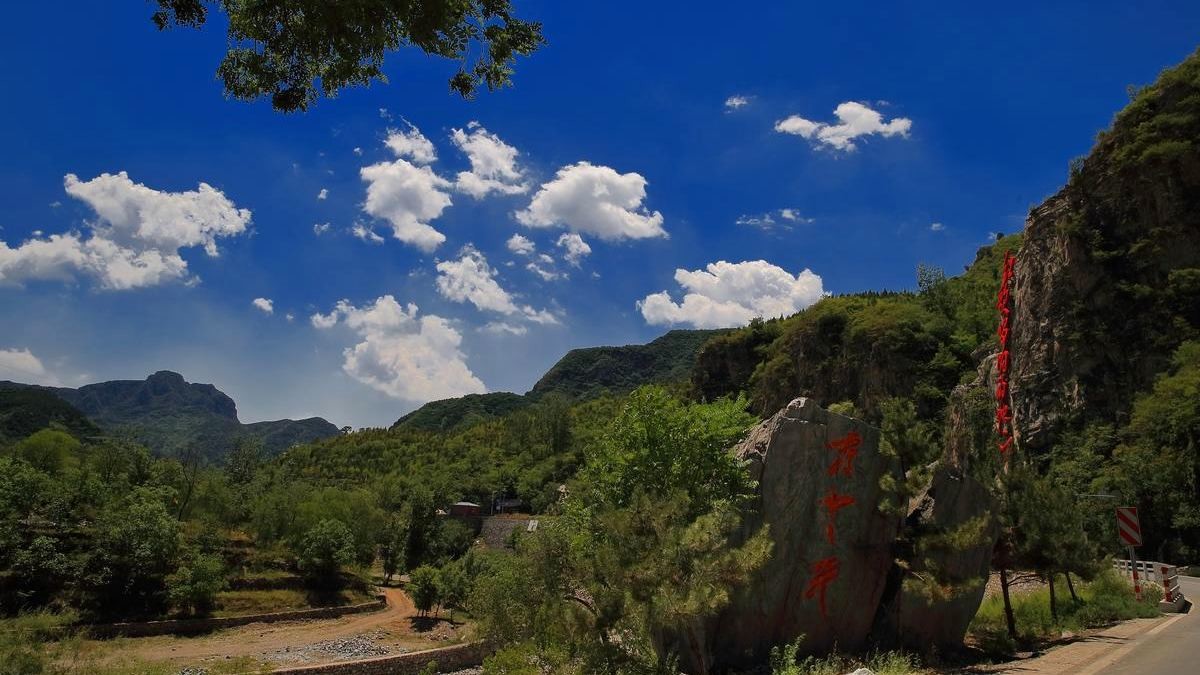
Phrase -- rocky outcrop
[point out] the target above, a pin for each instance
(1050, 366)
(955, 514)
(951, 530)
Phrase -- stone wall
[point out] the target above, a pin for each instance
(192, 626)
(446, 658)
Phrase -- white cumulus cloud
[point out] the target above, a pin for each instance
(520, 245)
(794, 216)
(400, 354)
(937, 227)
(502, 327)
(594, 200)
(20, 365)
(320, 228)
(728, 294)
(855, 120)
(323, 194)
(407, 196)
(411, 144)
(471, 279)
(544, 274)
(576, 249)
(493, 163)
(266, 305)
(135, 240)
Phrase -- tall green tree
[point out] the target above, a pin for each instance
(644, 548)
(293, 51)
(423, 588)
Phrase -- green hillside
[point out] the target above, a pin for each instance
(863, 348)
(464, 411)
(594, 371)
(580, 375)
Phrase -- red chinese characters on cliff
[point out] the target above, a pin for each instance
(1004, 413)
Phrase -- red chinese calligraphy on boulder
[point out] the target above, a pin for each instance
(824, 572)
(847, 449)
(818, 477)
(833, 502)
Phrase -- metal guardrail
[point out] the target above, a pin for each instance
(1162, 574)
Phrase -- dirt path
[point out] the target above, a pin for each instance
(393, 628)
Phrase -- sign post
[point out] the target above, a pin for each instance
(1130, 530)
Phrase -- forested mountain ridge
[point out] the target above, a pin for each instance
(593, 371)
(461, 412)
(580, 375)
(171, 416)
(27, 410)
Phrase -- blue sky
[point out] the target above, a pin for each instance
(960, 116)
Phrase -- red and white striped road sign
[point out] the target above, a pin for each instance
(1128, 526)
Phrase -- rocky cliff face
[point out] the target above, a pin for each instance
(1108, 279)
(128, 401)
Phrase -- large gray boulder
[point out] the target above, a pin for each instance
(818, 477)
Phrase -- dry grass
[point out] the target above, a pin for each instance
(238, 603)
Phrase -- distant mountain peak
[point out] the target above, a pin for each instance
(171, 415)
(167, 377)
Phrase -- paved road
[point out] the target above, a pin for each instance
(1173, 649)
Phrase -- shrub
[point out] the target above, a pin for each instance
(194, 586)
(323, 551)
(784, 661)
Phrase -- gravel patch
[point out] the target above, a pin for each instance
(362, 646)
(1019, 582)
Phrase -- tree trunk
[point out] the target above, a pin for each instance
(1053, 599)
(1071, 587)
(1008, 610)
